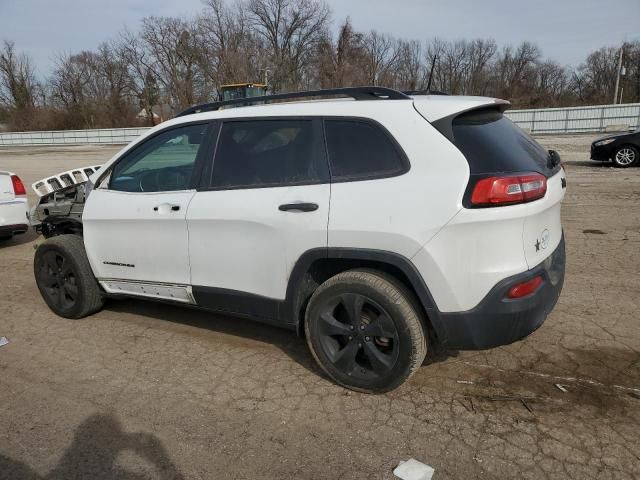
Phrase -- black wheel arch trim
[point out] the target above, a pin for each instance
(297, 295)
(289, 312)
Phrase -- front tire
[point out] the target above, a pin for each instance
(364, 330)
(626, 156)
(65, 279)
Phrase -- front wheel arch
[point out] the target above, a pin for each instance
(65, 279)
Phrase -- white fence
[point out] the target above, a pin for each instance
(108, 136)
(540, 121)
(577, 119)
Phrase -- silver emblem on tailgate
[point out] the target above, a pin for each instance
(543, 242)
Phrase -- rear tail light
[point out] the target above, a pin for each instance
(509, 189)
(525, 288)
(18, 186)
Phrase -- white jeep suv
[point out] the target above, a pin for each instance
(375, 225)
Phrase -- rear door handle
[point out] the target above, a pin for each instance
(165, 207)
(301, 207)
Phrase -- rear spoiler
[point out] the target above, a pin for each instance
(445, 125)
(63, 180)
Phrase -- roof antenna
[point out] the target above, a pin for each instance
(433, 64)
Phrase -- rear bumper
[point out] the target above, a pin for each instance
(500, 321)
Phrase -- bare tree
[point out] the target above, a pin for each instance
(340, 63)
(515, 70)
(141, 74)
(381, 57)
(410, 70)
(481, 53)
(174, 56)
(232, 53)
(596, 77)
(291, 30)
(17, 85)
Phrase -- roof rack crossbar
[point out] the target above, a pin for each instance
(357, 93)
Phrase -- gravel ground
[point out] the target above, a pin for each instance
(143, 390)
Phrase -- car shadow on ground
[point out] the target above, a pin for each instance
(94, 453)
(590, 163)
(19, 239)
(294, 346)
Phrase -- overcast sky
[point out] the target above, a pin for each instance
(566, 30)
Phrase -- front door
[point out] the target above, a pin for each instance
(135, 220)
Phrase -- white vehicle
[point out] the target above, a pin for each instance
(13, 206)
(377, 225)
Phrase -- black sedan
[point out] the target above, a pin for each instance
(622, 149)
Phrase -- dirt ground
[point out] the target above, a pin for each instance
(143, 390)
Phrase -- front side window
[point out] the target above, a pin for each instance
(162, 164)
(260, 153)
(359, 150)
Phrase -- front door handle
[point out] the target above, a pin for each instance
(301, 207)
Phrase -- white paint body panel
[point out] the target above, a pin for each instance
(123, 228)
(400, 214)
(239, 240)
(6, 187)
(480, 247)
(543, 222)
(13, 210)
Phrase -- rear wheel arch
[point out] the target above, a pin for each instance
(316, 266)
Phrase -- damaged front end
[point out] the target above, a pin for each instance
(59, 210)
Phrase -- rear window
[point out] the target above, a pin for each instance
(361, 150)
(492, 143)
(261, 153)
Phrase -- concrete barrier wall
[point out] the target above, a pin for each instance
(539, 121)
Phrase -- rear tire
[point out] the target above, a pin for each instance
(65, 279)
(364, 330)
(626, 156)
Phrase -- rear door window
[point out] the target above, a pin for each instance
(492, 143)
(360, 150)
(265, 153)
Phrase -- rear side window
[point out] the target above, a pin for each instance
(360, 150)
(492, 143)
(261, 153)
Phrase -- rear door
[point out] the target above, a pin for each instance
(135, 220)
(264, 202)
(494, 145)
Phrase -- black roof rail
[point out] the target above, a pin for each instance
(357, 93)
(424, 92)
